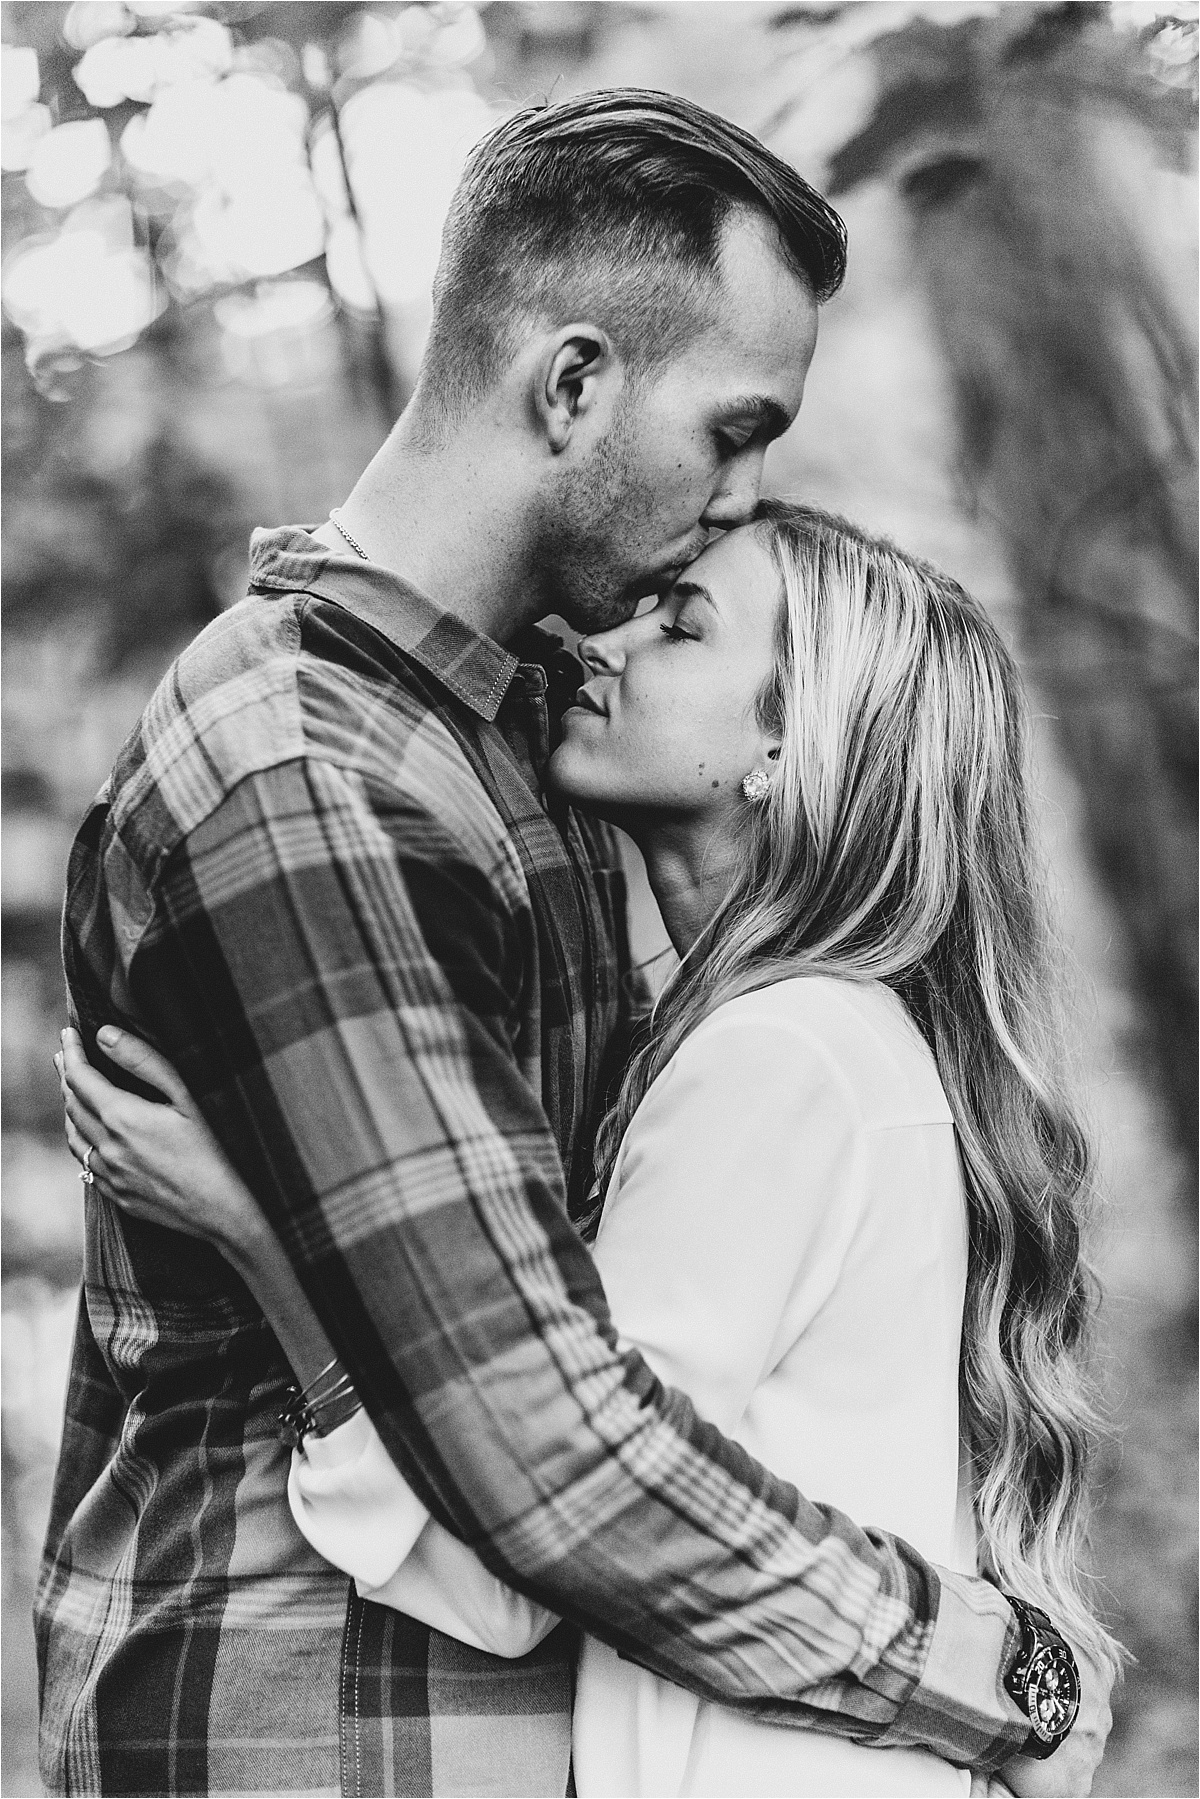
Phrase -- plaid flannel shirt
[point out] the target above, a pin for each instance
(323, 879)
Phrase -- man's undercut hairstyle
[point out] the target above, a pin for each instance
(607, 207)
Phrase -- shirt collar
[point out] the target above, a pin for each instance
(472, 667)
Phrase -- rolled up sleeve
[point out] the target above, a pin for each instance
(337, 977)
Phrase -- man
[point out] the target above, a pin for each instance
(324, 879)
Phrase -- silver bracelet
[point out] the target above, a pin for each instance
(306, 1409)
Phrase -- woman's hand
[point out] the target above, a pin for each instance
(158, 1162)
(163, 1163)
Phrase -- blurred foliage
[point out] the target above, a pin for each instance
(219, 226)
(172, 168)
(119, 541)
(173, 155)
(1046, 163)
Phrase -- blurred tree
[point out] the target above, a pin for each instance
(160, 157)
(214, 186)
(1046, 161)
(121, 538)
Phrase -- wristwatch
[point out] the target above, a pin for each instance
(1044, 1681)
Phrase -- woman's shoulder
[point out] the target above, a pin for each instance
(859, 1033)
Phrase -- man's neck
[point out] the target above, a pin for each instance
(448, 520)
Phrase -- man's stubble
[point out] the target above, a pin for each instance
(600, 534)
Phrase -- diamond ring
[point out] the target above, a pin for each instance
(85, 1173)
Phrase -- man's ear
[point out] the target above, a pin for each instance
(565, 386)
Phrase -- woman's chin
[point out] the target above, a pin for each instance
(567, 770)
(569, 776)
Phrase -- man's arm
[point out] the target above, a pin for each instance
(355, 1507)
(334, 979)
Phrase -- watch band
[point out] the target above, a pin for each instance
(1044, 1681)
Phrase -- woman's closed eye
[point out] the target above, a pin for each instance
(677, 634)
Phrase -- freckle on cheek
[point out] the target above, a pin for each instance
(716, 783)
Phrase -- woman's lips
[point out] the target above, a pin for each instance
(587, 702)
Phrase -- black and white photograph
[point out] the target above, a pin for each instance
(599, 897)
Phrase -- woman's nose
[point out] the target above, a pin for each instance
(603, 654)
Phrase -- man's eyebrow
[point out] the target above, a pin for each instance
(768, 412)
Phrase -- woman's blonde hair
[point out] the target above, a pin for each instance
(896, 845)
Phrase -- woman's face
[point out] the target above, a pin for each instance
(666, 725)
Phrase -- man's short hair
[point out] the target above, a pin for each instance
(608, 205)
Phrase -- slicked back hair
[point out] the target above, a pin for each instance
(607, 206)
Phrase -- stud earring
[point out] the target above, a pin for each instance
(757, 784)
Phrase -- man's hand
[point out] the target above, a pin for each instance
(1069, 1772)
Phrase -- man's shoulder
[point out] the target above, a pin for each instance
(260, 690)
(225, 708)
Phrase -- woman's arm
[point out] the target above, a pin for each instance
(725, 1218)
(357, 1510)
(443, 1583)
(162, 1163)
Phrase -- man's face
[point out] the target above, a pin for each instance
(683, 458)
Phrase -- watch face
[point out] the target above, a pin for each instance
(1051, 1693)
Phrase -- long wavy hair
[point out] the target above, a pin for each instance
(895, 845)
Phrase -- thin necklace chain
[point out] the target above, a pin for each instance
(337, 524)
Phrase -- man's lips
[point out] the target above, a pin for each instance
(663, 579)
(667, 577)
(678, 563)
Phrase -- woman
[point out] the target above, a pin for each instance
(842, 1191)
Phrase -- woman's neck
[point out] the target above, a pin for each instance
(689, 872)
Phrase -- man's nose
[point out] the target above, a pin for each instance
(603, 653)
(738, 496)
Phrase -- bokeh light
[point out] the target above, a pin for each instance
(23, 120)
(273, 335)
(69, 162)
(19, 136)
(349, 276)
(19, 81)
(138, 68)
(78, 289)
(230, 149)
(88, 21)
(169, 143)
(405, 150)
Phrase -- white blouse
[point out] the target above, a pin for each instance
(784, 1239)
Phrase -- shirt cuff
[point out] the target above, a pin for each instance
(961, 1709)
(352, 1503)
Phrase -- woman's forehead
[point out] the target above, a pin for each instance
(736, 573)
